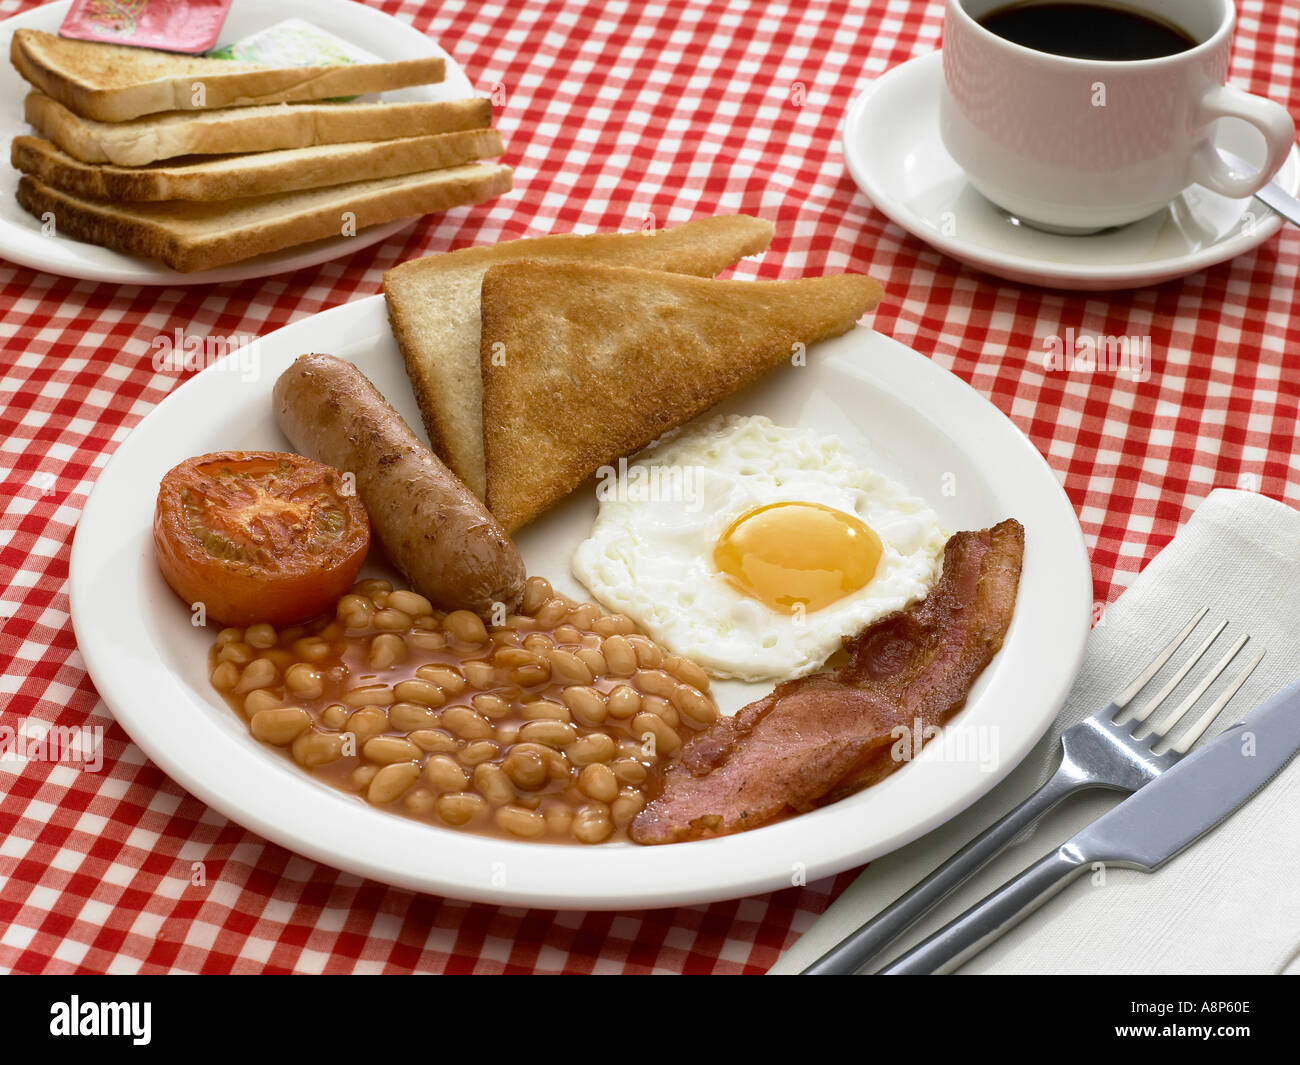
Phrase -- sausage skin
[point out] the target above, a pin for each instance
(436, 532)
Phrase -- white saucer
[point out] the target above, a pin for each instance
(893, 150)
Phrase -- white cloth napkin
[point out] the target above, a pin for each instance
(1229, 904)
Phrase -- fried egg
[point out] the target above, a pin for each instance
(752, 548)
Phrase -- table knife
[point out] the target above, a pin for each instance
(1143, 832)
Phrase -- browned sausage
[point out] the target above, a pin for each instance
(436, 532)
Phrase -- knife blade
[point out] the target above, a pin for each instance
(1272, 194)
(1143, 832)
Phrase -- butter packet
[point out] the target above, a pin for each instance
(191, 26)
(294, 43)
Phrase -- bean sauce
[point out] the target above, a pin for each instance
(542, 728)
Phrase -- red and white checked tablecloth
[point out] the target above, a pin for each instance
(615, 110)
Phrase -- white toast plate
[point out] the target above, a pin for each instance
(893, 408)
(21, 238)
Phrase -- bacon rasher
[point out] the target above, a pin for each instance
(819, 738)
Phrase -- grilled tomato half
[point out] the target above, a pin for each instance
(259, 536)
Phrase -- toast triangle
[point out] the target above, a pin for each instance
(583, 363)
(433, 304)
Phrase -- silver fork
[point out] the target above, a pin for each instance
(1112, 749)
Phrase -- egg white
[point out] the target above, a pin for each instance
(650, 551)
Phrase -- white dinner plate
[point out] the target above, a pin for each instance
(894, 152)
(894, 409)
(21, 239)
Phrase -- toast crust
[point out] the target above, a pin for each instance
(268, 127)
(235, 176)
(112, 82)
(583, 363)
(197, 236)
(433, 305)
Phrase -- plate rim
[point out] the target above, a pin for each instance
(16, 242)
(1024, 269)
(645, 884)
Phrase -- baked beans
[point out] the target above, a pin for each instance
(543, 728)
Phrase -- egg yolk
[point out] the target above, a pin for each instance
(787, 554)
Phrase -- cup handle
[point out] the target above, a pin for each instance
(1271, 119)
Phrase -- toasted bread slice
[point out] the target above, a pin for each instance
(434, 307)
(246, 129)
(139, 141)
(199, 236)
(583, 363)
(229, 177)
(112, 82)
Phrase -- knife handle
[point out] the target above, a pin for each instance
(988, 919)
(852, 953)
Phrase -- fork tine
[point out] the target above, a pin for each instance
(1157, 663)
(1197, 730)
(1177, 678)
(1180, 711)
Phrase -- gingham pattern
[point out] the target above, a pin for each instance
(614, 111)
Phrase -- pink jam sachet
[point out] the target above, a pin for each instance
(172, 25)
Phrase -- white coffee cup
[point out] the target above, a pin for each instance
(1077, 145)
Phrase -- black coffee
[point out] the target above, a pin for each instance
(1087, 31)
